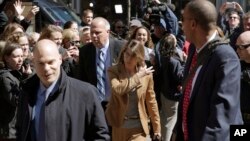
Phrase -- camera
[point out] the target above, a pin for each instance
(156, 12)
(26, 63)
(35, 3)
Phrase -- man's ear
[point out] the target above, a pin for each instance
(108, 31)
(193, 23)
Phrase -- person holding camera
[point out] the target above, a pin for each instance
(243, 50)
(230, 21)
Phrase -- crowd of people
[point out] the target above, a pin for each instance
(170, 78)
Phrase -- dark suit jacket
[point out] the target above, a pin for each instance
(72, 113)
(215, 99)
(87, 59)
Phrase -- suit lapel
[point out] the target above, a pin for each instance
(111, 50)
(92, 64)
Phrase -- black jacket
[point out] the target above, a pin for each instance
(171, 78)
(72, 113)
(9, 93)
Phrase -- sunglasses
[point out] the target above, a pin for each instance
(233, 18)
(120, 27)
(243, 46)
(74, 43)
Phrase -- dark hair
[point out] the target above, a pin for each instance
(86, 11)
(68, 24)
(168, 45)
(8, 49)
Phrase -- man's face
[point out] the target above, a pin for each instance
(246, 24)
(47, 62)
(87, 19)
(243, 49)
(233, 20)
(159, 31)
(24, 43)
(99, 34)
(187, 22)
(119, 28)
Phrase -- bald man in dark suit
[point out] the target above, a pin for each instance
(211, 90)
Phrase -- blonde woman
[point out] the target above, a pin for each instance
(132, 99)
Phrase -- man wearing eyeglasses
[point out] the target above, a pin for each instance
(243, 50)
(230, 21)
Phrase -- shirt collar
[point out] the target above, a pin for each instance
(50, 90)
(104, 48)
(210, 39)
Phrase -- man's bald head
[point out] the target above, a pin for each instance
(243, 46)
(204, 12)
(46, 44)
(47, 61)
(244, 37)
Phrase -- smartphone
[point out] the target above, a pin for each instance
(230, 5)
(35, 3)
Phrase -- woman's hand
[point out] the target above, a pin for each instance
(33, 11)
(19, 9)
(145, 71)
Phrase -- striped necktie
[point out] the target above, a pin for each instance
(101, 75)
(186, 97)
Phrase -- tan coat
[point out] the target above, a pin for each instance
(118, 104)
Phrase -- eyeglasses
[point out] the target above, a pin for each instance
(233, 18)
(74, 43)
(243, 46)
(119, 26)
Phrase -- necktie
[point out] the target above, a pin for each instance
(101, 75)
(186, 97)
(40, 117)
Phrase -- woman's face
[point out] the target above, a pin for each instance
(74, 26)
(129, 58)
(15, 60)
(142, 35)
(24, 43)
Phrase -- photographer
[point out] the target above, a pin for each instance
(157, 10)
(230, 21)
